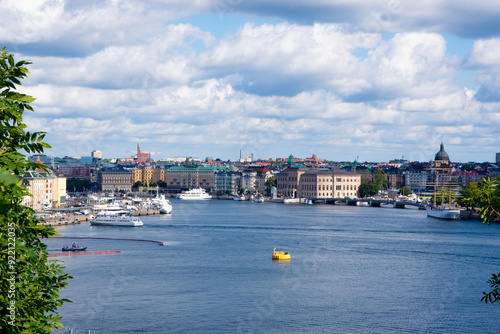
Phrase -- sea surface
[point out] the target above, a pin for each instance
(353, 270)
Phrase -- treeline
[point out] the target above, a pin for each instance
(75, 184)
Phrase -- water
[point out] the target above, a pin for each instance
(353, 270)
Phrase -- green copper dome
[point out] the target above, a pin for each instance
(442, 155)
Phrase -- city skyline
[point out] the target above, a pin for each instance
(374, 79)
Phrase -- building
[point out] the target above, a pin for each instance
(298, 181)
(329, 184)
(227, 182)
(395, 178)
(498, 159)
(248, 180)
(192, 176)
(418, 177)
(48, 190)
(442, 170)
(287, 182)
(148, 175)
(463, 178)
(96, 154)
(115, 180)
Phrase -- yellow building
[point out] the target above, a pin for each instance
(148, 175)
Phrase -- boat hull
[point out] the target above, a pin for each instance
(443, 214)
(70, 249)
(111, 223)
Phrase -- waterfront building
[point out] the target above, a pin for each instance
(248, 181)
(115, 180)
(263, 174)
(287, 182)
(227, 182)
(148, 175)
(329, 184)
(48, 190)
(298, 182)
(192, 176)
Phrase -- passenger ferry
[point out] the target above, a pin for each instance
(194, 194)
(116, 218)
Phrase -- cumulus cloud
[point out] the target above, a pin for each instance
(318, 77)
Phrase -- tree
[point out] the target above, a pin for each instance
(468, 167)
(380, 179)
(270, 182)
(137, 184)
(75, 184)
(29, 282)
(486, 194)
(404, 190)
(368, 189)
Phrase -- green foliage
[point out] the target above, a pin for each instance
(470, 196)
(138, 184)
(270, 182)
(494, 295)
(468, 167)
(75, 184)
(29, 282)
(486, 194)
(161, 184)
(368, 189)
(380, 179)
(404, 190)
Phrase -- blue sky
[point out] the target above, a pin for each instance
(378, 79)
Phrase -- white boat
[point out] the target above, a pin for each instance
(239, 198)
(194, 194)
(116, 218)
(259, 200)
(165, 206)
(443, 213)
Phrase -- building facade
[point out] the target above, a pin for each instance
(227, 182)
(115, 180)
(48, 190)
(195, 176)
(301, 182)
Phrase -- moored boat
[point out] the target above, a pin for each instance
(443, 213)
(194, 194)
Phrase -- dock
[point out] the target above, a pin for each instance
(72, 219)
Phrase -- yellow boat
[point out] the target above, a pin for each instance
(282, 256)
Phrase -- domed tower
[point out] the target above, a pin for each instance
(441, 157)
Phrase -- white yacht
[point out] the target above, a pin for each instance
(116, 218)
(194, 194)
(443, 213)
(164, 204)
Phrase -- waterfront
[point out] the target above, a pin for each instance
(353, 269)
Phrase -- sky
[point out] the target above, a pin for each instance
(378, 79)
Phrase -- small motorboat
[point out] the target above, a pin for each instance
(281, 256)
(73, 248)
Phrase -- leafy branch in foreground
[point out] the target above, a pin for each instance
(29, 282)
(486, 194)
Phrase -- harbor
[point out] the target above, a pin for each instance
(333, 248)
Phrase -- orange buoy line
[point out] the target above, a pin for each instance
(83, 253)
(160, 243)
